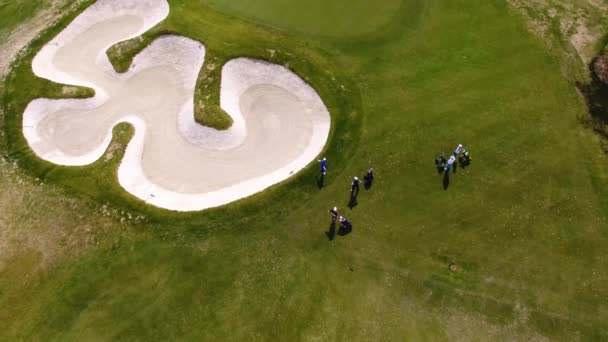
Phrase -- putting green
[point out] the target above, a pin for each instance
(338, 18)
(526, 224)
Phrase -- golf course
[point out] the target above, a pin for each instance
(160, 177)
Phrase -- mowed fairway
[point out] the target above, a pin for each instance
(339, 19)
(526, 224)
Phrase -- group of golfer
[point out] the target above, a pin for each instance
(346, 224)
(442, 163)
(460, 153)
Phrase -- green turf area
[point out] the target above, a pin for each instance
(14, 12)
(526, 224)
(339, 18)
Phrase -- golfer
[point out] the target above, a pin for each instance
(465, 159)
(458, 150)
(369, 177)
(323, 166)
(334, 214)
(345, 223)
(355, 185)
(450, 163)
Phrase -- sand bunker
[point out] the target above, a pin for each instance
(280, 123)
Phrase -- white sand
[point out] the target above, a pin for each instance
(280, 123)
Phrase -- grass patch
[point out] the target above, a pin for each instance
(337, 19)
(526, 223)
(14, 12)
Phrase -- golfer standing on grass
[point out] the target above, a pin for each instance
(345, 223)
(323, 166)
(354, 188)
(450, 163)
(334, 214)
(369, 177)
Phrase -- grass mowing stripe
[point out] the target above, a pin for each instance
(525, 224)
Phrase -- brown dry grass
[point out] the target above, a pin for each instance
(601, 67)
(572, 29)
(41, 219)
(36, 219)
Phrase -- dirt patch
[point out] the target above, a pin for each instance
(111, 150)
(69, 91)
(600, 67)
(596, 97)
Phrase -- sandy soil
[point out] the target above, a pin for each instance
(280, 123)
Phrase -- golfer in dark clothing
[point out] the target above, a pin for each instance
(465, 159)
(354, 188)
(369, 177)
(441, 162)
(334, 214)
(345, 223)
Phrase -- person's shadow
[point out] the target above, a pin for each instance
(446, 180)
(331, 234)
(353, 199)
(321, 181)
(368, 183)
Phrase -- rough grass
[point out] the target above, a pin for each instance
(573, 30)
(15, 12)
(525, 224)
(576, 32)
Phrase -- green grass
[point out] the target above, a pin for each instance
(14, 12)
(526, 223)
(339, 18)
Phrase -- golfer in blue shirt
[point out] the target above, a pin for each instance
(323, 166)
